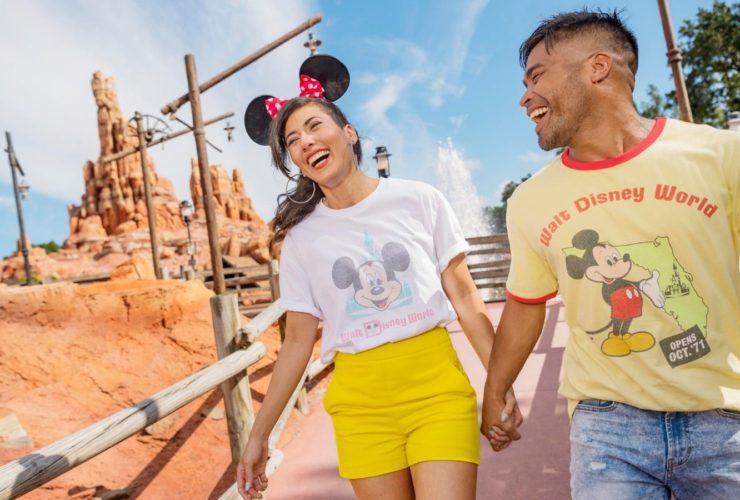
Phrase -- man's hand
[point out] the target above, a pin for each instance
(500, 420)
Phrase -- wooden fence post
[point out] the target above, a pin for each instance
(236, 391)
(273, 270)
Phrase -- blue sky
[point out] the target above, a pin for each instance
(422, 72)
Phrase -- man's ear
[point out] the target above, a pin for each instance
(351, 133)
(601, 65)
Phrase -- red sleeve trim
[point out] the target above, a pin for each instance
(538, 300)
(658, 127)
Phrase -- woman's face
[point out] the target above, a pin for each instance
(320, 148)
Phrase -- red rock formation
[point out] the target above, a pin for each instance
(110, 226)
(114, 191)
(231, 199)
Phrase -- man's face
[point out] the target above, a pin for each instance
(556, 96)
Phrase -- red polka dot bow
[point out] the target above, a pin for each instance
(310, 87)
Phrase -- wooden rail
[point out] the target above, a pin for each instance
(489, 261)
(33, 470)
(43, 465)
(255, 286)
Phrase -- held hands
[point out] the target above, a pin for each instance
(500, 420)
(251, 479)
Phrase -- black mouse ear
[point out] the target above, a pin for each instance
(257, 120)
(330, 71)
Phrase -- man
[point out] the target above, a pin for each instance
(636, 225)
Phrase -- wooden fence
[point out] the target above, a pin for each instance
(489, 261)
(238, 348)
(256, 286)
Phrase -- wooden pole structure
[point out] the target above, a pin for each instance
(193, 96)
(151, 216)
(205, 176)
(18, 206)
(173, 106)
(674, 59)
(130, 151)
(236, 392)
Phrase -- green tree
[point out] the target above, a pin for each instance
(710, 48)
(50, 247)
(711, 58)
(657, 104)
(496, 216)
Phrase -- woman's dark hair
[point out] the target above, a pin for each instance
(568, 24)
(290, 213)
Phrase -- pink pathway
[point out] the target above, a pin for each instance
(534, 467)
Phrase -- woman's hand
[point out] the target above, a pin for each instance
(300, 335)
(501, 433)
(251, 479)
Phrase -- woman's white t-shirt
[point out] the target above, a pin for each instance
(372, 271)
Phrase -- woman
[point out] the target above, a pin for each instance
(379, 262)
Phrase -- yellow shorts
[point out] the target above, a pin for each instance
(400, 404)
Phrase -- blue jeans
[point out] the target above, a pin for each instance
(619, 451)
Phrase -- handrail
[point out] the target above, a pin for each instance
(249, 333)
(33, 470)
(489, 260)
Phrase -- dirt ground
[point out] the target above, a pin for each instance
(71, 355)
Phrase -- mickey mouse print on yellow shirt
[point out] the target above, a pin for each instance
(643, 250)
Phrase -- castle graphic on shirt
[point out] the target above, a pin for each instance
(622, 275)
(374, 283)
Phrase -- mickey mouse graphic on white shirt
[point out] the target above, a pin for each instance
(374, 281)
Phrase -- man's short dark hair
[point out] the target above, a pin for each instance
(568, 24)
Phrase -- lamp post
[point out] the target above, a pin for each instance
(312, 44)
(381, 158)
(229, 128)
(186, 211)
(20, 191)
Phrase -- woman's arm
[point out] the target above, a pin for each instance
(471, 312)
(300, 336)
(518, 332)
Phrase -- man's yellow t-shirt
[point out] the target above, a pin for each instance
(643, 249)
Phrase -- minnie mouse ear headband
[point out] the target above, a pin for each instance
(321, 76)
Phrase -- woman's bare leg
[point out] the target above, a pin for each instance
(444, 480)
(392, 486)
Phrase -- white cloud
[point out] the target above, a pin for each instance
(6, 202)
(450, 69)
(417, 76)
(457, 121)
(534, 157)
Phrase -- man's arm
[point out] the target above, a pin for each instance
(516, 336)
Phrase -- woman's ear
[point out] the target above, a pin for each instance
(601, 66)
(351, 133)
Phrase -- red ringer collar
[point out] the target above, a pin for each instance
(658, 127)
